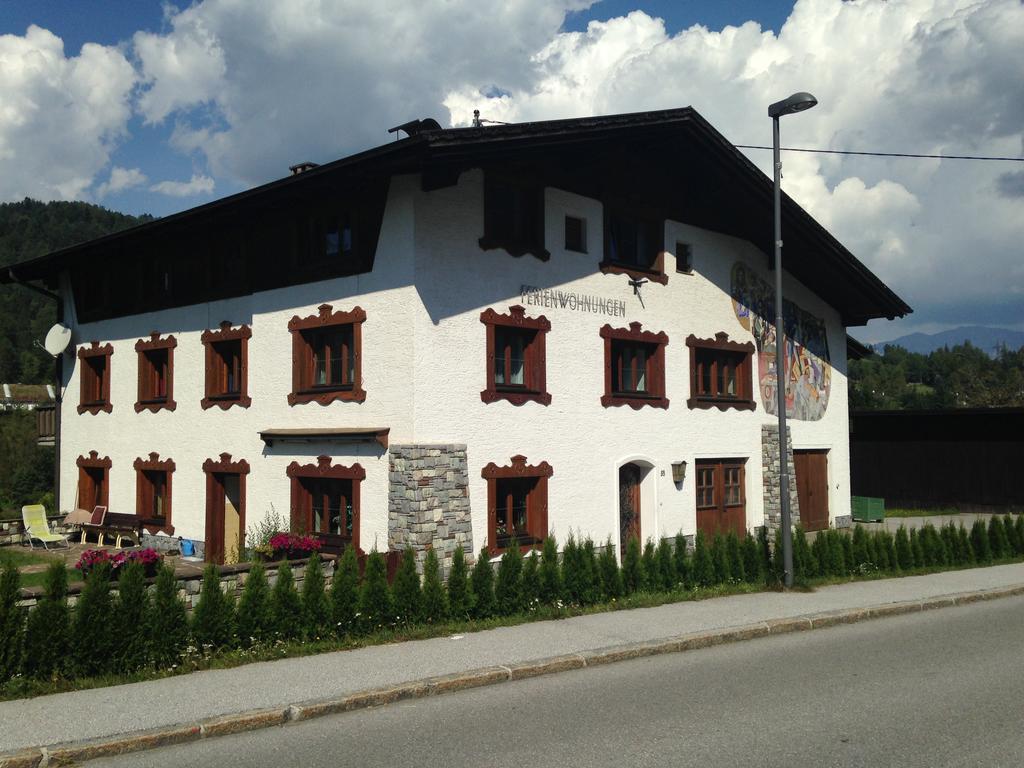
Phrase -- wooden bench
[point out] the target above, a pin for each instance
(116, 525)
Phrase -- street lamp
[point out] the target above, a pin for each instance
(798, 102)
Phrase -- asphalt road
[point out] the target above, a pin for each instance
(941, 688)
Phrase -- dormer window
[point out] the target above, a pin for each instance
(513, 215)
(634, 245)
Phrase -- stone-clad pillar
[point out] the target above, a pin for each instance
(428, 501)
(770, 479)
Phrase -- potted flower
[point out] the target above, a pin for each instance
(149, 558)
(91, 558)
(292, 546)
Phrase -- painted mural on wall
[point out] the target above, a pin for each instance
(807, 359)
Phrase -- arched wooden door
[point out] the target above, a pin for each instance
(629, 504)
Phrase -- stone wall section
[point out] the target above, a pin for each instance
(428, 501)
(770, 479)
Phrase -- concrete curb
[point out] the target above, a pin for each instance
(77, 752)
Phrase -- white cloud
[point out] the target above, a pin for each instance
(197, 185)
(120, 180)
(60, 117)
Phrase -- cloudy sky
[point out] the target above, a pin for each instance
(150, 107)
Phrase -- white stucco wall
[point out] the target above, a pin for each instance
(424, 367)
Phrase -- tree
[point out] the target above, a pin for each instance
(482, 584)
(997, 540)
(531, 580)
(254, 619)
(649, 567)
(550, 577)
(375, 602)
(48, 628)
(213, 617)
(980, 544)
(168, 626)
(681, 560)
(316, 607)
(666, 568)
(904, 554)
(285, 604)
(611, 578)
(737, 568)
(434, 607)
(590, 577)
(12, 621)
(572, 578)
(753, 561)
(92, 629)
(407, 592)
(458, 585)
(703, 566)
(131, 617)
(632, 573)
(508, 588)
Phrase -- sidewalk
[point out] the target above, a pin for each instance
(105, 712)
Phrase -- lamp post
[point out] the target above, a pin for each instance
(798, 102)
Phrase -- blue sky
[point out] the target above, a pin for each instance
(144, 107)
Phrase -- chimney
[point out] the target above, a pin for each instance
(302, 167)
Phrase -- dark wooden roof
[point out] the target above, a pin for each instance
(671, 158)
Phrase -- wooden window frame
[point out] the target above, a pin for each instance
(223, 400)
(301, 506)
(537, 499)
(744, 399)
(302, 356)
(154, 464)
(533, 242)
(535, 357)
(684, 266)
(655, 228)
(655, 367)
(225, 466)
(719, 467)
(153, 344)
(87, 377)
(93, 461)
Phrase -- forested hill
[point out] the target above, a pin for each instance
(962, 376)
(29, 229)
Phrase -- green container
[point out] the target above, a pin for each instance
(867, 509)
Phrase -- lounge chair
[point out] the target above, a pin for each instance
(33, 516)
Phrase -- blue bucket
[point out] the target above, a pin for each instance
(188, 549)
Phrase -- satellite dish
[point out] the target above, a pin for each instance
(57, 339)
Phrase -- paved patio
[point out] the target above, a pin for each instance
(70, 555)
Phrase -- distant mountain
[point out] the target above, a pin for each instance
(982, 337)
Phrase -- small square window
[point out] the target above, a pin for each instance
(630, 364)
(684, 258)
(575, 234)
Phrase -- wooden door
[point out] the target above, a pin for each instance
(225, 517)
(721, 497)
(629, 505)
(811, 469)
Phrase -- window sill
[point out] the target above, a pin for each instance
(95, 408)
(514, 248)
(721, 403)
(515, 396)
(636, 402)
(155, 405)
(634, 271)
(154, 526)
(526, 543)
(327, 395)
(225, 401)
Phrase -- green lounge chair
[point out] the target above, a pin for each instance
(33, 516)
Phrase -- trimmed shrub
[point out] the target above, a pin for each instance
(980, 542)
(12, 622)
(375, 604)
(997, 539)
(963, 539)
(753, 561)
(777, 566)
(48, 628)
(285, 604)
(949, 542)
(876, 554)
(649, 567)
(550, 577)
(889, 541)
(168, 626)
(737, 569)
(590, 576)
(611, 577)
(766, 552)
(344, 592)
(213, 617)
(254, 621)
(703, 565)
(531, 580)
(847, 542)
(508, 587)
(131, 617)
(681, 560)
(632, 572)
(316, 607)
(1019, 525)
(458, 585)
(482, 583)
(666, 568)
(821, 554)
(720, 559)
(904, 553)
(434, 608)
(837, 552)
(406, 589)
